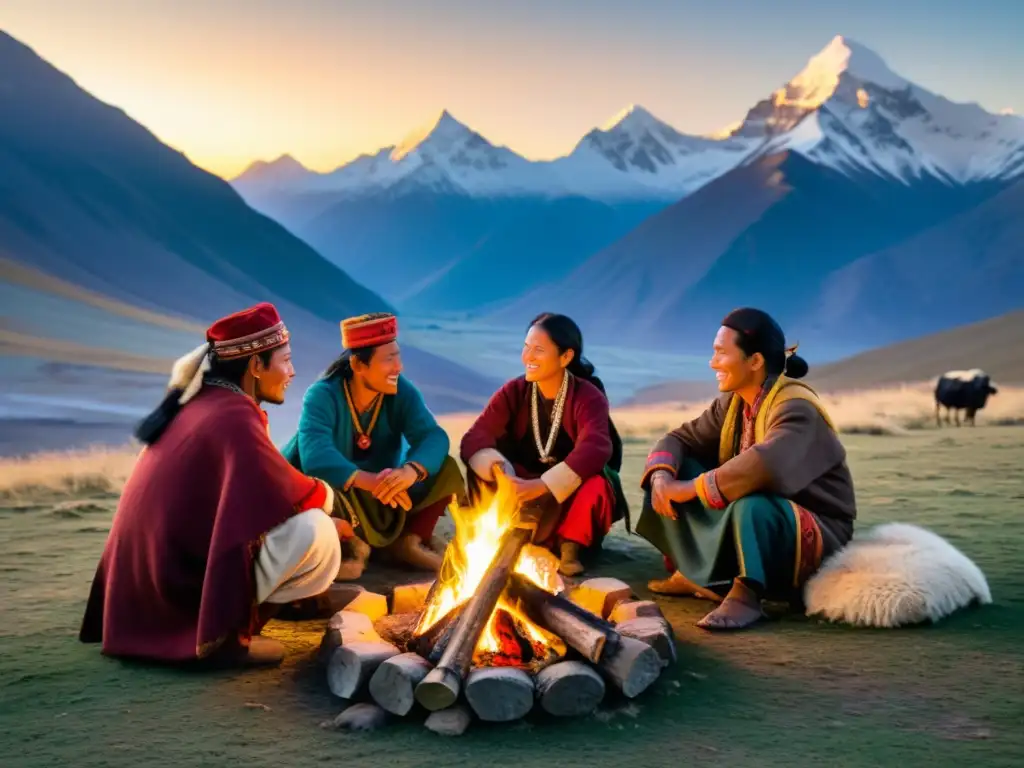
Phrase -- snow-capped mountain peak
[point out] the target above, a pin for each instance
(443, 156)
(818, 81)
(637, 154)
(633, 117)
(848, 110)
(845, 109)
(441, 134)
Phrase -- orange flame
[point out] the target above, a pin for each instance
(478, 534)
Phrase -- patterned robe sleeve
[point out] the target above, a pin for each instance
(696, 439)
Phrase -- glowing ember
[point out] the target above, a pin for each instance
(478, 535)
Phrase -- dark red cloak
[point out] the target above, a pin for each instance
(176, 579)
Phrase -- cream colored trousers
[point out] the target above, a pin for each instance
(299, 558)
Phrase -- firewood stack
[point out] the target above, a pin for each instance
(599, 637)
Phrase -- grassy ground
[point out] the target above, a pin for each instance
(793, 691)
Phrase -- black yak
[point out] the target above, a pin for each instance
(967, 390)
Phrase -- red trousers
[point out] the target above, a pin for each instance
(585, 517)
(422, 523)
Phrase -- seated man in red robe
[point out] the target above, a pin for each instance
(550, 432)
(214, 527)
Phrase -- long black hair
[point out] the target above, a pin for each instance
(757, 331)
(566, 335)
(342, 365)
(149, 429)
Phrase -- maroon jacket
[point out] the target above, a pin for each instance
(176, 579)
(505, 426)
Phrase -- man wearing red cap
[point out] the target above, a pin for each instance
(214, 526)
(351, 432)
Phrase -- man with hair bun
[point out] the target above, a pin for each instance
(755, 492)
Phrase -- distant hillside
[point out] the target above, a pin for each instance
(995, 345)
(116, 252)
(454, 252)
(768, 234)
(963, 270)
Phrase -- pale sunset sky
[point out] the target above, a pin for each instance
(232, 81)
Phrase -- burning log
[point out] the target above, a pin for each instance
(441, 688)
(432, 643)
(580, 629)
(516, 647)
(393, 684)
(633, 666)
(352, 665)
(569, 688)
(397, 629)
(499, 694)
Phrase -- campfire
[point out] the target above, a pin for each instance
(498, 628)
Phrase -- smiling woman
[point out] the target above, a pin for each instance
(550, 432)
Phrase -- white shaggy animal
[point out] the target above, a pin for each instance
(895, 575)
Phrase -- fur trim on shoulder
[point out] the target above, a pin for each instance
(187, 372)
(895, 575)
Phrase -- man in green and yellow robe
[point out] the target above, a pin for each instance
(352, 433)
(752, 494)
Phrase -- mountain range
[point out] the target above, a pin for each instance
(116, 252)
(856, 206)
(646, 235)
(846, 109)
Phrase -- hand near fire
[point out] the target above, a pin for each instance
(525, 490)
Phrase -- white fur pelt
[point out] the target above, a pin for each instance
(187, 372)
(895, 575)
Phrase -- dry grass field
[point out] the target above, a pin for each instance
(886, 411)
(793, 691)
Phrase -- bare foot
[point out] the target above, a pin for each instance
(680, 586)
(570, 567)
(350, 570)
(739, 610)
(569, 564)
(355, 553)
(409, 549)
(263, 652)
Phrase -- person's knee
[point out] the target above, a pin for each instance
(317, 532)
(594, 487)
(752, 507)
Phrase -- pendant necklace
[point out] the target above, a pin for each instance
(363, 441)
(556, 419)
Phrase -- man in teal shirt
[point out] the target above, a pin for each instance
(350, 435)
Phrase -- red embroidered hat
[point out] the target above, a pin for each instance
(368, 330)
(256, 329)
